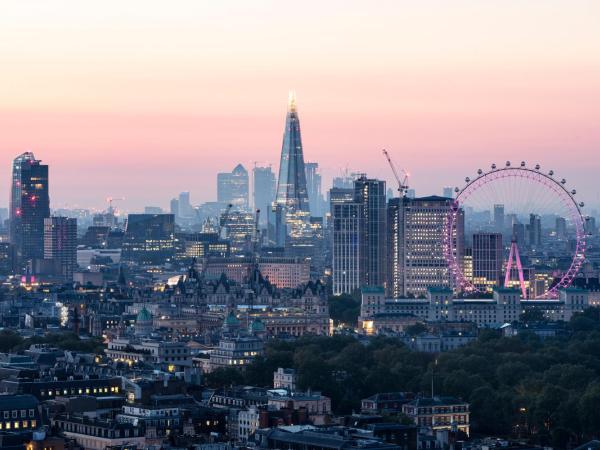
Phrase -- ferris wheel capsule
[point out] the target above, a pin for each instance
(467, 179)
(507, 163)
(479, 171)
(537, 167)
(456, 189)
(573, 192)
(551, 173)
(581, 204)
(493, 166)
(563, 181)
(522, 163)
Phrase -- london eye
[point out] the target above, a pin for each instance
(515, 227)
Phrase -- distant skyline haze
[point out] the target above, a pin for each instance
(144, 99)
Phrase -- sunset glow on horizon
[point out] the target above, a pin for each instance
(144, 99)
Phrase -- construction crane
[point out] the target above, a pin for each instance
(110, 201)
(223, 221)
(402, 183)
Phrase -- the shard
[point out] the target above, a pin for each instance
(291, 187)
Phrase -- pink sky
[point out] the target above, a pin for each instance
(144, 99)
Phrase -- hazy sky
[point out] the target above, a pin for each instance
(143, 99)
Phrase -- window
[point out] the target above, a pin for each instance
(31, 413)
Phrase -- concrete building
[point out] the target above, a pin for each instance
(505, 306)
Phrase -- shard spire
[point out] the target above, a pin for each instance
(291, 185)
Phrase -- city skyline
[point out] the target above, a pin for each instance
(443, 93)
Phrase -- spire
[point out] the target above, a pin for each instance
(291, 185)
(292, 101)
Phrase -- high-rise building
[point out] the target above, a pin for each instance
(313, 186)
(60, 243)
(233, 187)
(417, 248)
(535, 230)
(185, 207)
(264, 190)
(240, 231)
(519, 235)
(371, 194)
(149, 238)
(487, 255)
(348, 226)
(174, 207)
(290, 213)
(499, 218)
(561, 227)
(29, 206)
(291, 184)
(448, 192)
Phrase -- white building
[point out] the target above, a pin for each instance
(506, 306)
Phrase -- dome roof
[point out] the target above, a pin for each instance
(232, 320)
(257, 326)
(144, 315)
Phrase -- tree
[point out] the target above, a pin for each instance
(9, 340)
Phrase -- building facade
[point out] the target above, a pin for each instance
(29, 206)
(232, 187)
(60, 243)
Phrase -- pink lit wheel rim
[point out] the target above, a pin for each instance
(518, 187)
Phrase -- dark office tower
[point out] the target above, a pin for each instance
(518, 234)
(29, 206)
(370, 193)
(291, 185)
(264, 190)
(417, 249)
(313, 185)
(535, 230)
(232, 187)
(499, 218)
(60, 243)
(149, 238)
(487, 260)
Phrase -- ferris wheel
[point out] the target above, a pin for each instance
(519, 202)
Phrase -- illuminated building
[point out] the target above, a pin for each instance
(487, 260)
(149, 238)
(417, 230)
(19, 413)
(232, 187)
(29, 206)
(60, 243)
(46, 389)
(241, 231)
(468, 264)
(290, 213)
(170, 356)
(439, 413)
(235, 352)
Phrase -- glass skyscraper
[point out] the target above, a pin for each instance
(291, 185)
(29, 206)
(232, 187)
